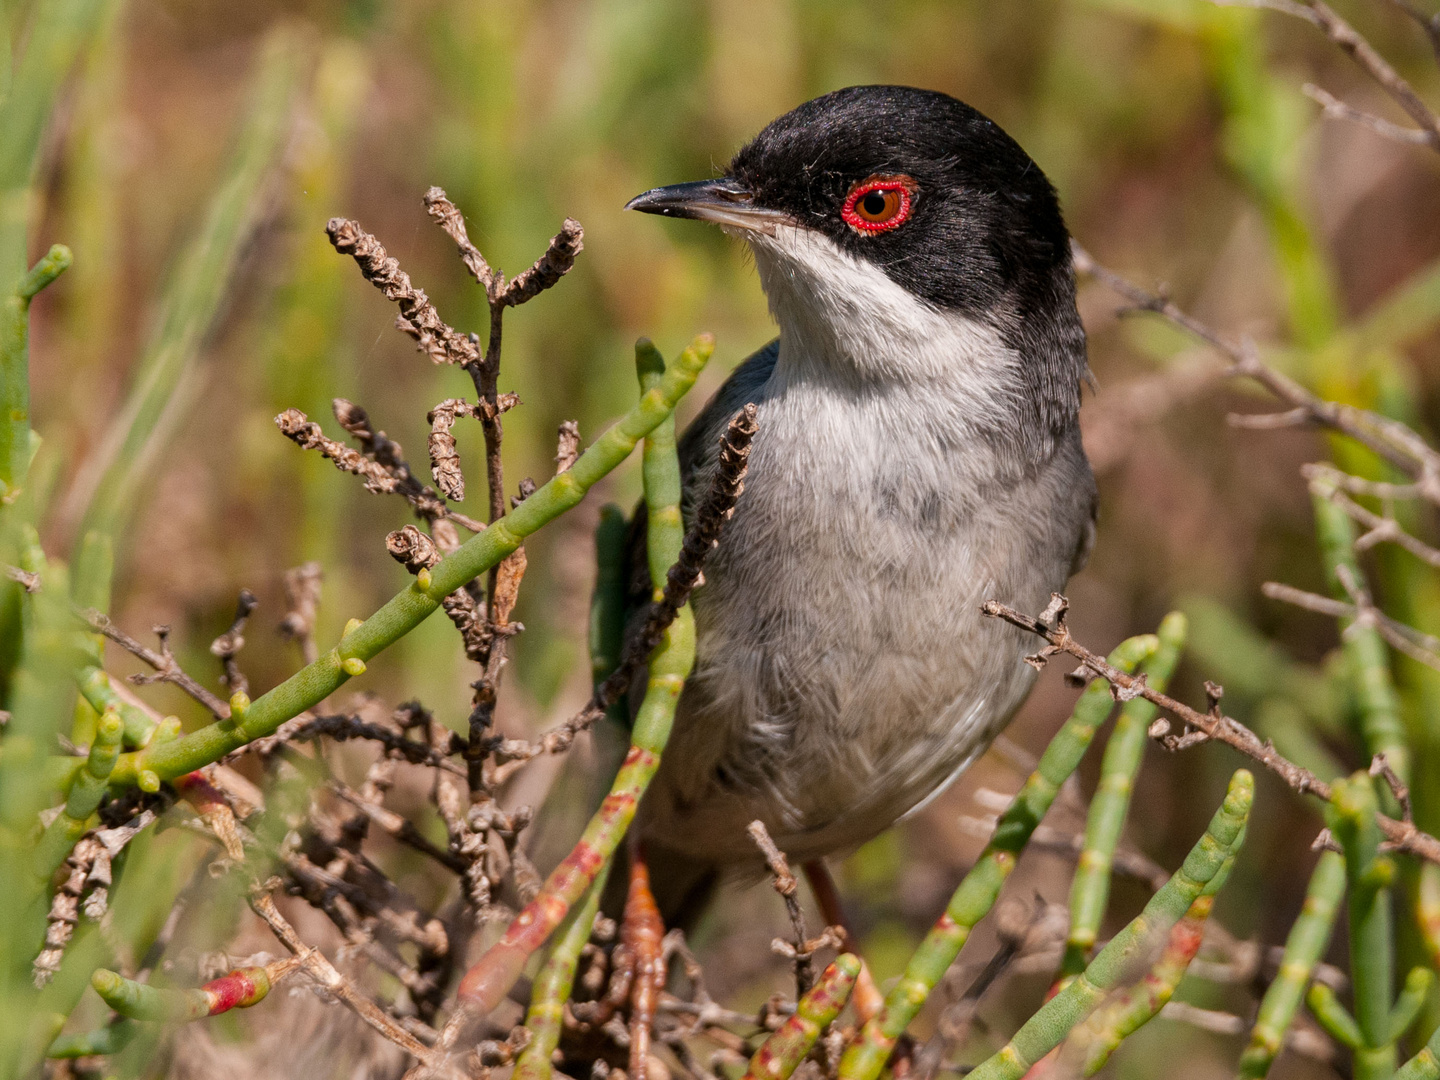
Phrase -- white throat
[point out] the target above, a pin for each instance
(843, 321)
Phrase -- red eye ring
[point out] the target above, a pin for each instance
(889, 211)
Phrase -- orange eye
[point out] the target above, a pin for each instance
(878, 204)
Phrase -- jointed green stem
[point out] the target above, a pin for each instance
(1303, 948)
(408, 608)
(781, 1054)
(553, 985)
(486, 984)
(110, 1039)
(95, 686)
(607, 605)
(238, 990)
(1090, 889)
(1351, 816)
(78, 815)
(1368, 656)
(1044, 1031)
(866, 1056)
(15, 445)
(1126, 1012)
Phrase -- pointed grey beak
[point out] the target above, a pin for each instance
(724, 201)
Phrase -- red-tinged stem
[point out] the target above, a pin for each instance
(1122, 1016)
(782, 1053)
(642, 932)
(238, 990)
(214, 809)
(486, 984)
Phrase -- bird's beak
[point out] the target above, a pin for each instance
(724, 201)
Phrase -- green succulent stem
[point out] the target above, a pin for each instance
(1058, 1016)
(240, 989)
(545, 1017)
(1126, 1012)
(1090, 889)
(1411, 1000)
(1352, 819)
(110, 1039)
(866, 1056)
(78, 814)
(412, 605)
(1381, 725)
(490, 979)
(99, 695)
(1331, 1015)
(15, 441)
(781, 1054)
(607, 604)
(1305, 944)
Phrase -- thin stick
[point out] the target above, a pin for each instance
(1392, 440)
(788, 887)
(162, 662)
(325, 973)
(1402, 835)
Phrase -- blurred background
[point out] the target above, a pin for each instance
(202, 146)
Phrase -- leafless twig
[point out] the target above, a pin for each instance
(164, 664)
(302, 593)
(329, 978)
(228, 645)
(1345, 36)
(1334, 109)
(1402, 835)
(700, 538)
(1418, 646)
(1390, 439)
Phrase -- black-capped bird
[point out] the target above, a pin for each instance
(918, 453)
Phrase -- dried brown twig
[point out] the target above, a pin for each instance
(302, 593)
(1419, 646)
(380, 466)
(1390, 439)
(329, 979)
(1050, 625)
(228, 645)
(90, 870)
(1342, 34)
(165, 666)
(803, 951)
(702, 536)
(1328, 482)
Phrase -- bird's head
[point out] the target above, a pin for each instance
(911, 182)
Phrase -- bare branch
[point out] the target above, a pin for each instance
(165, 665)
(228, 645)
(1320, 14)
(1403, 836)
(302, 592)
(1420, 647)
(1335, 109)
(329, 978)
(1390, 439)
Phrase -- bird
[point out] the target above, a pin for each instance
(918, 453)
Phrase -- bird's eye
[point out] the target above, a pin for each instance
(878, 204)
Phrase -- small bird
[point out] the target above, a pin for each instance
(918, 453)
